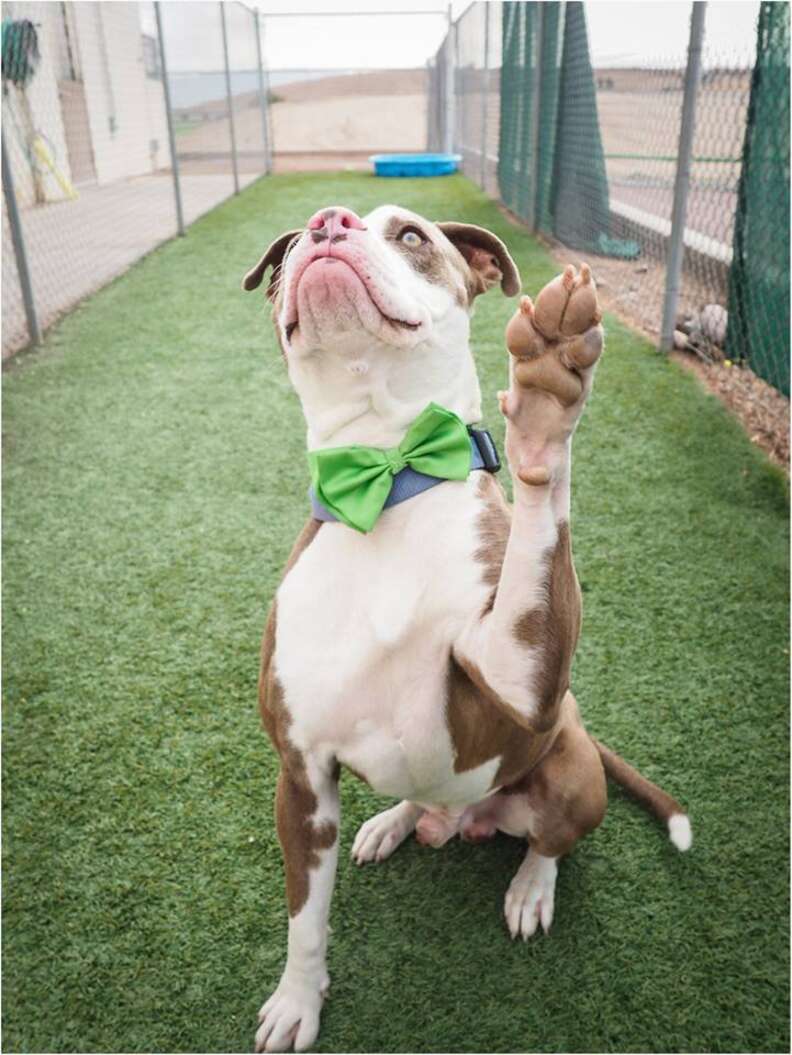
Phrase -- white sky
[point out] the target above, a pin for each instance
(625, 34)
(629, 32)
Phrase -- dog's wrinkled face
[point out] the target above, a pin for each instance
(386, 297)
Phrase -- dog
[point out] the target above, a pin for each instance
(429, 652)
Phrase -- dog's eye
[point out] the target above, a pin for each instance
(411, 237)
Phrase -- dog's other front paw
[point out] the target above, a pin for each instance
(531, 896)
(290, 1018)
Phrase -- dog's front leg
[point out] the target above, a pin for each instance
(307, 817)
(519, 651)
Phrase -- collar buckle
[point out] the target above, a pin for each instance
(486, 448)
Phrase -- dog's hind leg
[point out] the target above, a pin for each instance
(558, 802)
(307, 814)
(379, 836)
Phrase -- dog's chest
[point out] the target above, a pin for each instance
(365, 627)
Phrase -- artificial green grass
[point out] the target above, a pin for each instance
(154, 482)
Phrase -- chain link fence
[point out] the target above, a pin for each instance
(589, 157)
(337, 118)
(90, 181)
(477, 62)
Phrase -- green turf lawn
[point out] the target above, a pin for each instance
(154, 482)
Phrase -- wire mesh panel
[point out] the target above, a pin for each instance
(640, 112)
(247, 91)
(334, 114)
(588, 156)
(519, 90)
(85, 130)
(15, 331)
(199, 92)
(477, 47)
(620, 137)
(333, 118)
(528, 106)
(436, 100)
(470, 83)
(759, 290)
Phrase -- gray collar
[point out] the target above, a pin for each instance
(409, 482)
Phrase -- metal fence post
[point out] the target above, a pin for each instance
(230, 100)
(263, 100)
(169, 119)
(676, 245)
(450, 99)
(18, 240)
(485, 97)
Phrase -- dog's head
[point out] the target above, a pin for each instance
(377, 310)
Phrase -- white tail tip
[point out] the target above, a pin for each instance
(680, 831)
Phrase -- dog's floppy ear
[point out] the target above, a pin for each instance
(272, 258)
(487, 257)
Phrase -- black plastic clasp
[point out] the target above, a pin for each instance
(487, 449)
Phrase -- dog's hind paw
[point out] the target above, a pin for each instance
(530, 899)
(381, 834)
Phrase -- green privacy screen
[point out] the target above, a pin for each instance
(581, 216)
(529, 96)
(758, 330)
(552, 167)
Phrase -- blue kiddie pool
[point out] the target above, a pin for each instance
(415, 164)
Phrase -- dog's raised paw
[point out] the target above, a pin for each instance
(530, 899)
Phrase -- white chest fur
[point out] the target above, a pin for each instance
(365, 626)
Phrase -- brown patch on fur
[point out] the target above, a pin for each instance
(300, 836)
(483, 727)
(296, 803)
(493, 525)
(487, 258)
(274, 257)
(650, 796)
(428, 259)
(566, 791)
(553, 627)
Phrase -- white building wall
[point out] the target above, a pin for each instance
(42, 94)
(157, 124)
(126, 108)
(123, 114)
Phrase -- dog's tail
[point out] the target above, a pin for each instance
(652, 798)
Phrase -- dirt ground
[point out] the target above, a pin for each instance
(351, 115)
(761, 410)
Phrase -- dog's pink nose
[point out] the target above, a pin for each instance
(333, 223)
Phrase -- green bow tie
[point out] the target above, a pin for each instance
(354, 482)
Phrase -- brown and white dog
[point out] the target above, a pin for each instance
(432, 655)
